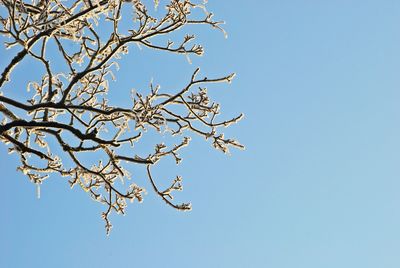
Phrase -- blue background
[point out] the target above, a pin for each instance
(317, 186)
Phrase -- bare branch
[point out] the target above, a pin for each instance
(68, 115)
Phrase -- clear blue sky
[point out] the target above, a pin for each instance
(318, 185)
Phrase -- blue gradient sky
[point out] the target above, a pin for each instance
(318, 185)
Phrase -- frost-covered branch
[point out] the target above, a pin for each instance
(68, 115)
